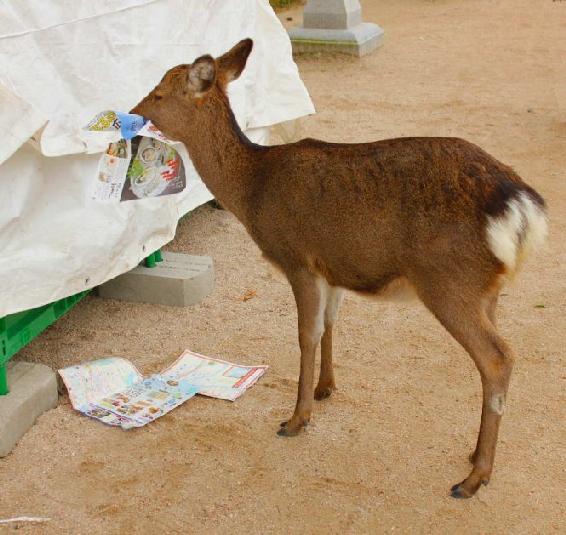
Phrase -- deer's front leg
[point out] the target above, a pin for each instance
(310, 295)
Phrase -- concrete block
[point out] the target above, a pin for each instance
(332, 14)
(357, 41)
(180, 280)
(33, 390)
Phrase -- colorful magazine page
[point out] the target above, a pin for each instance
(213, 377)
(91, 381)
(140, 161)
(113, 391)
(146, 400)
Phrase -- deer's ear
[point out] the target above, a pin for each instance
(233, 62)
(202, 75)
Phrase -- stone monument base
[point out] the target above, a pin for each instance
(357, 41)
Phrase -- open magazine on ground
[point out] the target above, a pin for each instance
(113, 391)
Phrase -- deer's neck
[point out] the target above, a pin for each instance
(224, 158)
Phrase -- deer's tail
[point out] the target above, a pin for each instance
(519, 230)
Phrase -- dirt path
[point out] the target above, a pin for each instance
(381, 455)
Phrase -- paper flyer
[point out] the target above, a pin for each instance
(140, 161)
(113, 391)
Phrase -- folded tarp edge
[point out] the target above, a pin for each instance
(19, 121)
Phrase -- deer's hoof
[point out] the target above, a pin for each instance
(290, 429)
(467, 488)
(459, 492)
(323, 392)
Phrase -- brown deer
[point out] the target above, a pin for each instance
(437, 215)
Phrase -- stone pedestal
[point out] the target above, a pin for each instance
(33, 390)
(179, 280)
(335, 26)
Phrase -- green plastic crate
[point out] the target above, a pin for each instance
(17, 330)
(153, 258)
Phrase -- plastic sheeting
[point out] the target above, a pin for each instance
(62, 62)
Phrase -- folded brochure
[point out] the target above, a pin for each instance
(113, 391)
(139, 161)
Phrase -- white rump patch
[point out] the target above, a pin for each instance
(520, 230)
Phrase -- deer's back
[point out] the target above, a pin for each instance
(379, 209)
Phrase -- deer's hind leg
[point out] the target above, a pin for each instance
(326, 381)
(466, 316)
(491, 306)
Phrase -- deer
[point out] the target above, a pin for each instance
(435, 216)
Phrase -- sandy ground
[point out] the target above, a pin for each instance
(381, 455)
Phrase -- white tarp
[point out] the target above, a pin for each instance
(62, 62)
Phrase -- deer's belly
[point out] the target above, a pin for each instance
(398, 289)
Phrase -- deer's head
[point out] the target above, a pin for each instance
(186, 89)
